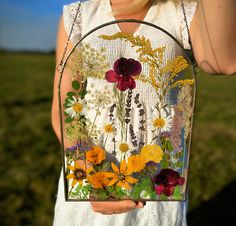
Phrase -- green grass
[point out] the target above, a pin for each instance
(30, 153)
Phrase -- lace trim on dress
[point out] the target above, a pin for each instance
(190, 8)
(69, 12)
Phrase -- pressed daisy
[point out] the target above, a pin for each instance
(96, 155)
(98, 179)
(108, 128)
(79, 173)
(121, 175)
(123, 147)
(163, 122)
(152, 152)
(77, 106)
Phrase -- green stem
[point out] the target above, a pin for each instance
(105, 141)
(91, 129)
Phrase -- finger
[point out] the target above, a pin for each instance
(114, 206)
(141, 204)
(127, 204)
(105, 213)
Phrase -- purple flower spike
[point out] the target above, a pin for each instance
(123, 73)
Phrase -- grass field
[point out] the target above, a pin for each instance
(30, 153)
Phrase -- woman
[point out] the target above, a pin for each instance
(212, 31)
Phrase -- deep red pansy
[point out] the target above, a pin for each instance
(166, 181)
(123, 72)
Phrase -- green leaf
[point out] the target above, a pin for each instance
(75, 85)
(68, 98)
(181, 154)
(70, 94)
(82, 93)
(163, 197)
(180, 164)
(164, 162)
(169, 146)
(144, 184)
(68, 120)
(177, 195)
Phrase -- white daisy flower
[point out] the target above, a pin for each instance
(123, 149)
(162, 122)
(77, 106)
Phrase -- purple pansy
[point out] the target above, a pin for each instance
(123, 73)
(166, 181)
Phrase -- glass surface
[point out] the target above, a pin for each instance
(127, 105)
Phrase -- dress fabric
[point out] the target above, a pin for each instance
(92, 13)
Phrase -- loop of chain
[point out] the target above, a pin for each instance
(59, 67)
(195, 66)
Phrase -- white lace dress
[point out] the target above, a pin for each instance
(93, 13)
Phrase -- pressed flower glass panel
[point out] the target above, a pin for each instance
(127, 104)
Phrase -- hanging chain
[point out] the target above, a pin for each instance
(186, 22)
(195, 66)
(59, 67)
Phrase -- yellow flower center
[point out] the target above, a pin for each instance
(80, 174)
(108, 128)
(121, 177)
(159, 122)
(78, 107)
(124, 147)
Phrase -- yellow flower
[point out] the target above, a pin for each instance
(159, 122)
(121, 176)
(124, 147)
(78, 173)
(135, 163)
(96, 155)
(152, 152)
(108, 128)
(98, 179)
(183, 83)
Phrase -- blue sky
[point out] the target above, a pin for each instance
(30, 24)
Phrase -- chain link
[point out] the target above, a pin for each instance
(195, 66)
(59, 67)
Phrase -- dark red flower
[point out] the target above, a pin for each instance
(166, 181)
(123, 73)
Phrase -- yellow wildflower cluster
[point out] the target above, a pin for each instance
(154, 59)
(173, 67)
(146, 53)
(76, 131)
(183, 83)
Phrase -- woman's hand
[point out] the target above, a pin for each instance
(116, 207)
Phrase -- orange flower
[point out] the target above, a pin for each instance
(96, 155)
(98, 179)
(121, 176)
(79, 173)
(135, 163)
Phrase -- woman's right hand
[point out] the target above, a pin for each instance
(115, 207)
